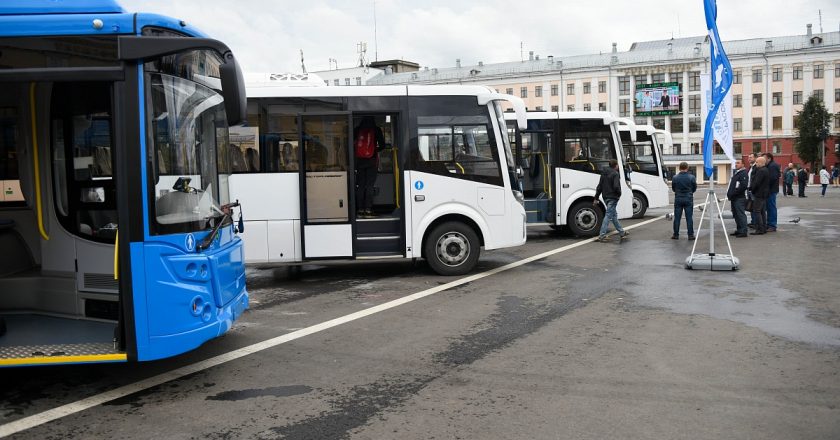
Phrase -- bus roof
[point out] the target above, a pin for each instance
(48, 18)
(42, 7)
(268, 90)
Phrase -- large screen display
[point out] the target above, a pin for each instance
(658, 99)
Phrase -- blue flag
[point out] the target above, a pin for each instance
(720, 84)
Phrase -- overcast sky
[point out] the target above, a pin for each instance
(267, 35)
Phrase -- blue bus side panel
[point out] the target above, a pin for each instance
(138, 287)
(182, 298)
(163, 21)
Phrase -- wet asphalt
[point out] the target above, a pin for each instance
(608, 340)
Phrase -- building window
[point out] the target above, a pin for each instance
(819, 93)
(836, 125)
(677, 124)
(358, 80)
(756, 101)
(509, 90)
(694, 104)
(539, 108)
(696, 148)
(777, 147)
(587, 88)
(736, 77)
(623, 85)
(818, 71)
(694, 124)
(836, 95)
(587, 107)
(736, 101)
(555, 108)
(640, 120)
(736, 124)
(523, 92)
(676, 150)
(737, 148)
(777, 122)
(757, 123)
(837, 70)
(659, 123)
(657, 78)
(756, 76)
(602, 106)
(797, 97)
(777, 74)
(554, 90)
(624, 108)
(756, 148)
(693, 81)
(336, 82)
(538, 91)
(602, 87)
(795, 122)
(346, 81)
(570, 108)
(777, 98)
(797, 72)
(640, 79)
(570, 89)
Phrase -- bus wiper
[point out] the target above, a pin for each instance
(227, 211)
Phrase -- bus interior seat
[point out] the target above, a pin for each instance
(16, 256)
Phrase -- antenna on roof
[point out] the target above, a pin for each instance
(375, 40)
(819, 11)
(522, 51)
(302, 66)
(361, 48)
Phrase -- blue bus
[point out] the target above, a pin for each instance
(117, 236)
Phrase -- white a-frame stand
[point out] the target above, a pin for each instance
(712, 261)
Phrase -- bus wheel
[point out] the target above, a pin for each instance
(640, 205)
(452, 248)
(585, 219)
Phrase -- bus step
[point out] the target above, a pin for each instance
(378, 225)
(379, 256)
(387, 242)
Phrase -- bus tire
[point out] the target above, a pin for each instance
(640, 205)
(585, 219)
(452, 248)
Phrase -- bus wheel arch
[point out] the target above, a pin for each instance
(584, 219)
(640, 204)
(452, 245)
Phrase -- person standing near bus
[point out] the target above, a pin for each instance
(824, 179)
(610, 187)
(774, 172)
(368, 140)
(684, 185)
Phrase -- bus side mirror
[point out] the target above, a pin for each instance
(240, 225)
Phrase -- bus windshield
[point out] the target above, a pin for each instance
(189, 131)
(640, 156)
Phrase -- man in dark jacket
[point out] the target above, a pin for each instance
(750, 174)
(737, 196)
(774, 173)
(790, 174)
(610, 187)
(802, 177)
(760, 189)
(684, 185)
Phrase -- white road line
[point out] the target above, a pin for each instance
(117, 393)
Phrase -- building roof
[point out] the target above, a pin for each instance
(671, 51)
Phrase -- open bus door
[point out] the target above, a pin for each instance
(326, 183)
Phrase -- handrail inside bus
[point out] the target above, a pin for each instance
(116, 255)
(396, 175)
(36, 164)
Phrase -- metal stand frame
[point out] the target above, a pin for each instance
(711, 260)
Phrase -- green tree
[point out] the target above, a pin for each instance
(814, 120)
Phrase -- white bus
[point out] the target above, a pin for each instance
(444, 186)
(561, 156)
(644, 159)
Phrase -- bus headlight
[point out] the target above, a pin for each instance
(519, 197)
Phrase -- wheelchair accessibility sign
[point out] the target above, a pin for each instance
(418, 185)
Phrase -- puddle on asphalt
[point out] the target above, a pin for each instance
(659, 280)
(286, 391)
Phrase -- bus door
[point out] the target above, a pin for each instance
(326, 201)
(534, 149)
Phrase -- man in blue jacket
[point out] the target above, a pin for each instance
(684, 185)
(775, 172)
